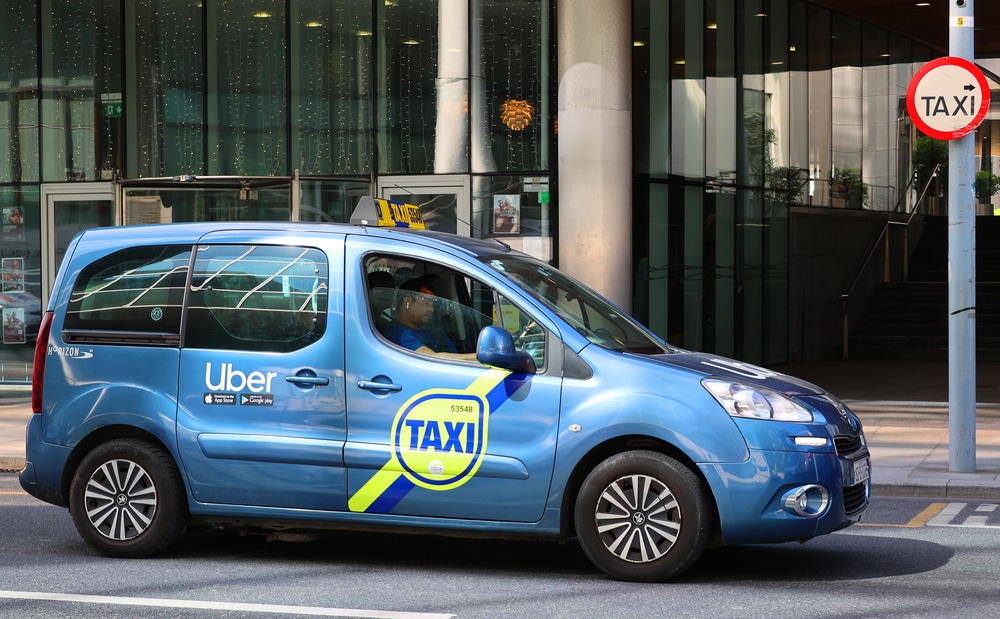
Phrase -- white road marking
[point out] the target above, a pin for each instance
(945, 516)
(943, 519)
(319, 611)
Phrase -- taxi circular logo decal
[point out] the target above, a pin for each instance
(439, 438)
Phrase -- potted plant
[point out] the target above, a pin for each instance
(847, 189)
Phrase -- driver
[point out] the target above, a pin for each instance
(409, 327)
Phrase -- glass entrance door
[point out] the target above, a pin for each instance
(69, 208)
(443, 200)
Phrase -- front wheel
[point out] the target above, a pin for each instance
(127, 499)
(642, 516)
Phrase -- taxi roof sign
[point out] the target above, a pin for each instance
(372, 211)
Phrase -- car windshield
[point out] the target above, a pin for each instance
(581, 307)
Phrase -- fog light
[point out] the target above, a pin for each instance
(808, 501)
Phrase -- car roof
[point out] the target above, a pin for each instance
(194, 232)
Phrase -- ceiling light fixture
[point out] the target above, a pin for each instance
(516, 113)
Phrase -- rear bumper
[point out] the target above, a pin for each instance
(42, 475)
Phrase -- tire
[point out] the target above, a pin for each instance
(127, 499)
(642, 516)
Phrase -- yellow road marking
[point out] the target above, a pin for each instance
(919, 520)
(13, 493)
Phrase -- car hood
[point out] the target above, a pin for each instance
(715, 365)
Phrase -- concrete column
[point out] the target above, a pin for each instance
(451, 144)
(595, 144)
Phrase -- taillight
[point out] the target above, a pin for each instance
(38, 371)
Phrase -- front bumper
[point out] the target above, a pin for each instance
(756, 498)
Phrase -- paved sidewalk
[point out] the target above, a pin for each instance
(903, 406)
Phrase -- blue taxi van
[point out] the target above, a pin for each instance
(284, 376)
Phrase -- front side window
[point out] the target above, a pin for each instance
(257, 297)
(137, 290)
(585, 311)
(430, 308)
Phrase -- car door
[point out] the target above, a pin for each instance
(261, 417)
(436, 436)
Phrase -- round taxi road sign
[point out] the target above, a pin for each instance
(948, 98)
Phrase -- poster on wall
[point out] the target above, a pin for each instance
(12, 224)
(13, 325)
(507, 214)
(13, 274)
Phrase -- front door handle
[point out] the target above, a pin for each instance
(377, 385)
(303, 381)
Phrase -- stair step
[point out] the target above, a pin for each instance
(909, 320)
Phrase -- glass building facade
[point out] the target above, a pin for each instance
(135, 111)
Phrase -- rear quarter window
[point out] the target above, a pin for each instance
(137, 290)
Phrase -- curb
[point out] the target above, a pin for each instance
(927, 491)
(11, 464)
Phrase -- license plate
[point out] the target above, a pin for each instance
(860, 471)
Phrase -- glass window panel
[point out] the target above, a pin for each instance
(695, 230)
(848, 188)
(21, 289)
(820, 95)
(248, 96)
(79, 144)
(170, 88)
(688, 96)
(534, 212)
(407, 40)
(331, 64)
(18, 92)
(330, 201)
(798, 106)
(651, 88)
(266, 201)
(774, 327)
(720, 274)
(720, 48)
(513, 104)
(750, 276)
(879, 109)
(757, 135)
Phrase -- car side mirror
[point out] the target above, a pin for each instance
(495, 347)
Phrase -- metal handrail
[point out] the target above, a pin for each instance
(844, 298)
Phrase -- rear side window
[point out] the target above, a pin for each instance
(257, 297)
(128, 294)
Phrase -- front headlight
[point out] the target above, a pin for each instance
(741, 400)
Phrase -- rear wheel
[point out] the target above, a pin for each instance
(127, 499)
(642, 516)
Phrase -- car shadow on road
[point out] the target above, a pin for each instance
(841, 557)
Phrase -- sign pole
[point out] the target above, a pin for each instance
(962, 267)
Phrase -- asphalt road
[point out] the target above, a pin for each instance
(910, 558)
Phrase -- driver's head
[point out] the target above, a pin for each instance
(417, 307)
